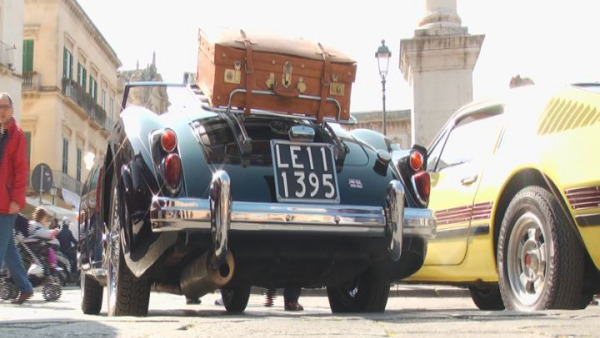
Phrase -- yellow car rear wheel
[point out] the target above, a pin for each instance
(540, 260)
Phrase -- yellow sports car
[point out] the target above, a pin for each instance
(515, 187)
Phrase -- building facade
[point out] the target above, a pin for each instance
(70, 92)
(11, 51)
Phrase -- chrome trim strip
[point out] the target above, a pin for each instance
(414, 186)
(588, 220)
(177, 214)
(463, 232)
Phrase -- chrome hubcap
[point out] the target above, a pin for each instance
(527, 259)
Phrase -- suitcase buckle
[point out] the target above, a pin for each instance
(286, 76)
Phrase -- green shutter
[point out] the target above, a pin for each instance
(79, 157)
(70, 66)
(65, 164)
(65, 62)
(84, 84)
(27, 56)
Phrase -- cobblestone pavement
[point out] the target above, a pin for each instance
(425, 311)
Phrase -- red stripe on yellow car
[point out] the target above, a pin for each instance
(464, 213)
(482, 210)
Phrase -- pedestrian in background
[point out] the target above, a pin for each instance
(68, 243)
(14, 173)
(54, 224)
(291, 295)
(37, 230)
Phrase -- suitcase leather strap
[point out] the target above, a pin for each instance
(249, 72)
(325, 83)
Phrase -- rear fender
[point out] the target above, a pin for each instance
(130, 163)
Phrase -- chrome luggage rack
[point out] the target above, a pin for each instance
(234, 117)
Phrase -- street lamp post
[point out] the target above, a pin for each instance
(383, 55)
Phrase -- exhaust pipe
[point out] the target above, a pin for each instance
(206, 274)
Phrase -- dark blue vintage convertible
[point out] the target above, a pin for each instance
(191, 198)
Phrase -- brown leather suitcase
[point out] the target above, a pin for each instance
(291, 76)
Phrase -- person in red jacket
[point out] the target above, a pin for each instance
(14, 172)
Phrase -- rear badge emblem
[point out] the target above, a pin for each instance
(355, 183)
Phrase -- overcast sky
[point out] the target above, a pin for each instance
(549, 41)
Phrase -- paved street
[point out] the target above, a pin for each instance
(437, 312)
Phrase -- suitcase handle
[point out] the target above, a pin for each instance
(285, 92)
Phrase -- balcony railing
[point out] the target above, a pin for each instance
(74, 91)
(62, 180)
(7, 54)
(31, 81)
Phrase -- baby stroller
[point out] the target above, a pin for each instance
(35, 256)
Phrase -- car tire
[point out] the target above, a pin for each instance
(367, 293)
(585, 300)
(8, 290)
(540, 261)
(91, 295)
(235, 299)
(127, 295)
(487, 297)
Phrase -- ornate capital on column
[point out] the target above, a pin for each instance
(439, 53)
(440, 18)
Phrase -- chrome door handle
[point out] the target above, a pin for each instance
(468, 180)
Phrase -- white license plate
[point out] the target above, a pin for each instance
(304, 172)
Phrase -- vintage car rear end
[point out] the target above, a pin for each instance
(192, 198)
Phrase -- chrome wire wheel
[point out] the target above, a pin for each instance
(113, 252)
(128, 295)
(527, 255)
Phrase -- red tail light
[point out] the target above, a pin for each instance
(422, 184)
(168, 140)
(172, 170)
(416, 160)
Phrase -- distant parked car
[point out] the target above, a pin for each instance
(515, 188)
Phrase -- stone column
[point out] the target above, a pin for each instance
(438, 62)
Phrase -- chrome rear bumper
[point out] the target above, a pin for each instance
(220, 215)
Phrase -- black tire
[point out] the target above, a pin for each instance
(127, 294)
(367, 293)
(8, 290)
(91, 295)
(487, 297)
(540, 261)
(52, 291)
(235, 299)
(585, 300)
